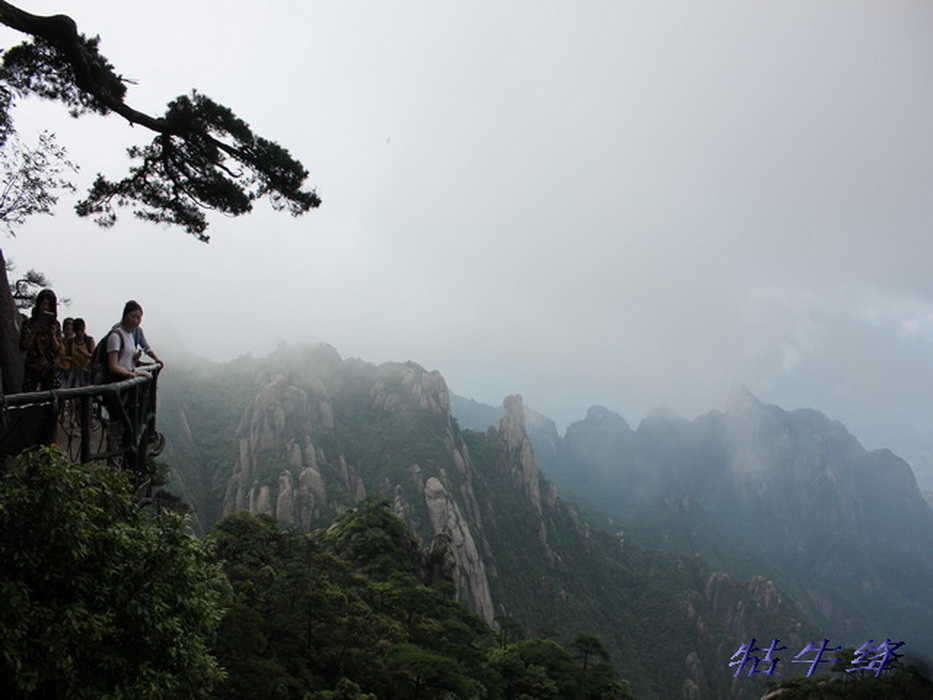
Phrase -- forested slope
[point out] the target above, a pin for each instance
(317, 434)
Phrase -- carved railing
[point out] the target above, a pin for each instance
(112, 423)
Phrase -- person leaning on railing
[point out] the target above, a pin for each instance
(126, 344)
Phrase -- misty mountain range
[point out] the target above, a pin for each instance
(759, 490)
(764, 523)
(876, 379)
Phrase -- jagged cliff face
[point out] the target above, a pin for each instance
(298, 462)
(277, 470)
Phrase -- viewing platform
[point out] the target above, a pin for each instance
(112, 423)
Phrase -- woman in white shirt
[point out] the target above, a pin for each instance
(126, 344)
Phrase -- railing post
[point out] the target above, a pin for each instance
(134, 432)
(84, 416)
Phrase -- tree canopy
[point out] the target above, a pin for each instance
(347, 613)
(202, 157)
(30, 178)
(99, 598)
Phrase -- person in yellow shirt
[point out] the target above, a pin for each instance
(74, 361)
(78, 350)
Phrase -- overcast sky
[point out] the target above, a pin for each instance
(625, 203)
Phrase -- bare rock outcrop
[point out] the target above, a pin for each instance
(291, 463)
(276, 469)
(470, 578)
(410, 383)
(520, 450)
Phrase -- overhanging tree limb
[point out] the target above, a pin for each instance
(203, 156)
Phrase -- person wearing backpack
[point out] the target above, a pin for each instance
(126, 343)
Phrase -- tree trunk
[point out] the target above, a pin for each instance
(11, 357)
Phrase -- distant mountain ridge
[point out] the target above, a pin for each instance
(758, 489)
(304, 434)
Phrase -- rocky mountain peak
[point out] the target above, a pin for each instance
(599, 417)
(409, 384)
(512, 423)
(521, 452)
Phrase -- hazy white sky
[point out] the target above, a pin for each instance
(624, 203)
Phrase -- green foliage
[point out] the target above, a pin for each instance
(285, 625)
(301, 621)
(897, 683)
(538, 668)
(269, 466)
(376, 541)
(44, 69)
(99, 598)
(202, 157)
(587, 646)
(325, 615)
(509, 630)
(191, 167)
(345, 690)
(419, 673)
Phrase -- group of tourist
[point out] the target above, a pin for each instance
(60, 354)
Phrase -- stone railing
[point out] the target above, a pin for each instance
(112, 423)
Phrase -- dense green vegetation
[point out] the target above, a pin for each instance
(346, 612)
(897, 682)
(103, 599)
(99, 598)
